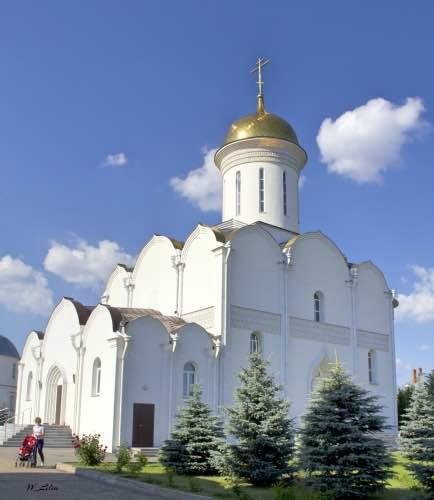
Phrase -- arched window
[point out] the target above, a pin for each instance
(29, 386)
(318, 306)
(261, 190)
(321, 371)
(255, 343)
(14, 371)
(96, 377)
(238, 193)
(189, 379)
(372, 368)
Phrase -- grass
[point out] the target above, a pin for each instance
(402, 486)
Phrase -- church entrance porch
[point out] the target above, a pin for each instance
(143, 425)
(55, 397)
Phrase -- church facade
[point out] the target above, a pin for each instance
(191, 312)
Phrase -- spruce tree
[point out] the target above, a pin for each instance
(417, 437)
(260, 426)
(404, 398)
(430, 383)
(196, 438)
(338, 450)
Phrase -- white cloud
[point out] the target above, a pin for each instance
(84, 264)
(403, 371)
(202, 186)
(366, 141)
(301, 181)
(419, 304)
(424, 347)
(115, 160)
(22, 288)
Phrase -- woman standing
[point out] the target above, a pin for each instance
(38, 433)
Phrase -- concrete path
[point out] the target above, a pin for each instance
(18, 483)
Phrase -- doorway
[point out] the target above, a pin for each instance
(143, 425)
(58, 404)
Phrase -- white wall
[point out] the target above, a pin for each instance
(155, 277)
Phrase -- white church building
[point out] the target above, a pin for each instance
(192, 311)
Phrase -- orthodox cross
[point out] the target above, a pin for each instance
(260, 63)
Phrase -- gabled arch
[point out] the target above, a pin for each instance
(259, 230)
(120, 272)
(156, 239)
(368, 264)
(294, 243)
(201, 229)
(33, 339)
(80, 315)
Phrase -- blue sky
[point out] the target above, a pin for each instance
(104, 102)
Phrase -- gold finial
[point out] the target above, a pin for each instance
(260, 63)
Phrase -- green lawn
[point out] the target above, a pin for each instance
(402, 486)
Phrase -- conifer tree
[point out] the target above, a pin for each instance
(403, 401)
(196, 438)
(260, 426)
(338, 450)
(417, 436)
(430, 383)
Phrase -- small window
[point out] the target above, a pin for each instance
(96, 377)
(261, 191)
(255, 343)
(29, 386)
(284, 192)
(318, 306)
(372, 375)
(189, 379)
(238, 193)
(14, 371)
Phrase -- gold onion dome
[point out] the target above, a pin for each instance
(261, 124)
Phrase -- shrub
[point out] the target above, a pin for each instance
(88, 449)
(123, 455)
(141, 460)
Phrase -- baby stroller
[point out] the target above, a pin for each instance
(27, 452)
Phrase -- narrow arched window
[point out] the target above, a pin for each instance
(189, 379)
(318, 306)
(29, 386)
(238, 193)
(14, 371)
(96, 377)
(261, 190)
(372, 368)
(255, 343)
(284, 193)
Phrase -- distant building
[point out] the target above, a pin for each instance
(193, 311)
(9, 359)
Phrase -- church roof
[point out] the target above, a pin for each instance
(83, 312)
(7, 348)
(126, 314)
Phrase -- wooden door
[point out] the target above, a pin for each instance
(143, 425)
(58, 404)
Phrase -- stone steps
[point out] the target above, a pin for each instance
(56, 436)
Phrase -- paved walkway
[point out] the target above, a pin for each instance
(18, 483)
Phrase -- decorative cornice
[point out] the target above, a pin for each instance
(255, 320)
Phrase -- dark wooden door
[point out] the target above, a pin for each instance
(143, 425)
(58, 404)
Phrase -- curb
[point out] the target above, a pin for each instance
(131, 484)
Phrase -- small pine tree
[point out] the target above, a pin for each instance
(260, 424)
(417, 436)
(196, 438)
(337, 449)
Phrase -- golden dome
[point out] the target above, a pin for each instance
(261, 124)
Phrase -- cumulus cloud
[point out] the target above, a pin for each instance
(115, 160)
(419, 304)
(84, 264)
(366, 141)
(202, 186)
(22, 288)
